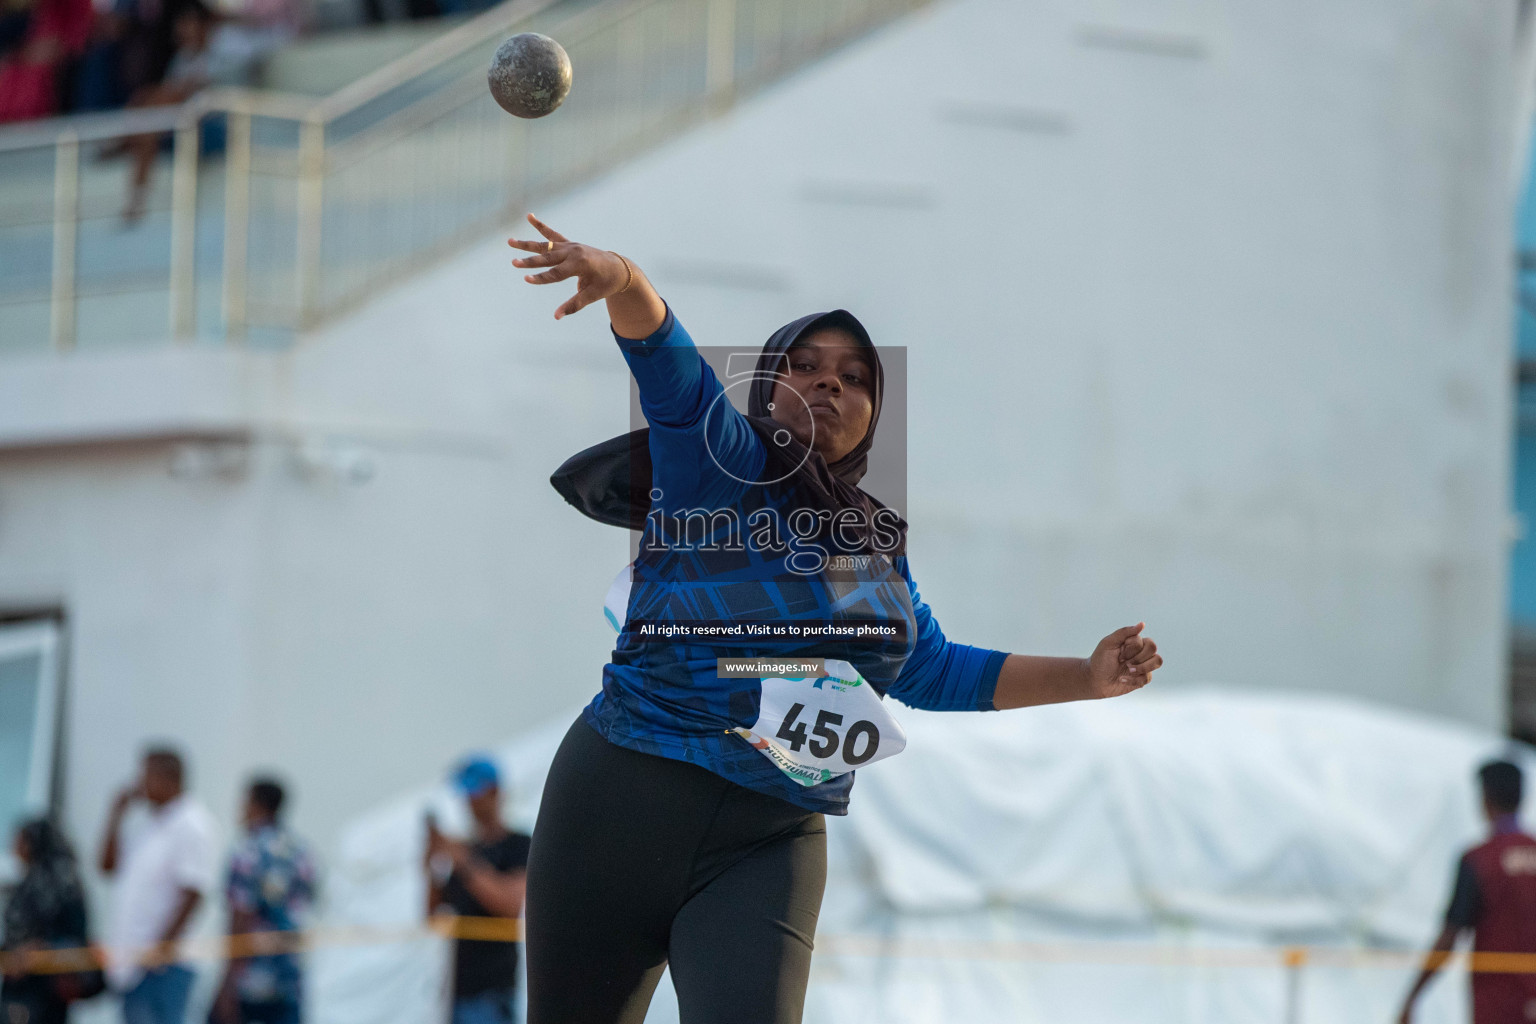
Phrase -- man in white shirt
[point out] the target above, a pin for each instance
(161, 869)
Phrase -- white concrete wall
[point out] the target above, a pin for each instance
(1207, 308)
(356, 636)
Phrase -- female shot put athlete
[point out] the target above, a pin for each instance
(682, 818)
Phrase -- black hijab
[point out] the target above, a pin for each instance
(611, 482)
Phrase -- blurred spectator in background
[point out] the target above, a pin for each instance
(38, 38)
(209, 51)
(96, 81)
(147, 41)
(270, 888)
(482, 878)
(198, 63)
(15, 16)
(134, 44)
(131, 45)
(161, 870)
(1494, 897)
(46, 910)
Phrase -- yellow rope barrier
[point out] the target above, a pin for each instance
(500, 929)
(1127, 954)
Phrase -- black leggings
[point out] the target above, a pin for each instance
(638, 861)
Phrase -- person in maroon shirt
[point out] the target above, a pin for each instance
(1495, 896)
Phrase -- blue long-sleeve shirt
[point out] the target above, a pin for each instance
(662, 697)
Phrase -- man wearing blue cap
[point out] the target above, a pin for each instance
(483, 878)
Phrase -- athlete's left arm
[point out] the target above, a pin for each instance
(939, 675)
(1122, 663)
(945, 676)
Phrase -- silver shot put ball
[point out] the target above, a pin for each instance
(530, 75)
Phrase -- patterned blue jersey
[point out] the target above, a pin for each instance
(702, 561)
(272, 878)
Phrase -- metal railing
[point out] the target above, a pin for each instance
(307, 207)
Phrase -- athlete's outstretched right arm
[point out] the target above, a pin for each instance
(677, 389)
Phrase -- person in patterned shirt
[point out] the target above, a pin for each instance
(270, 888)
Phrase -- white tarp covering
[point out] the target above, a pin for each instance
(1200, 818)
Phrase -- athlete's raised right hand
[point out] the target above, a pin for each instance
(599, 273)
(633, 305)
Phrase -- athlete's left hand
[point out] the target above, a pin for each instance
(1123, 662)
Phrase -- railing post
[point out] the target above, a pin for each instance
(720, 51)
(184, 232)
(66, 227)
(311, 185)
(237, 222)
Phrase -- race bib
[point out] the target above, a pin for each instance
(813, 730)
(817, 729)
